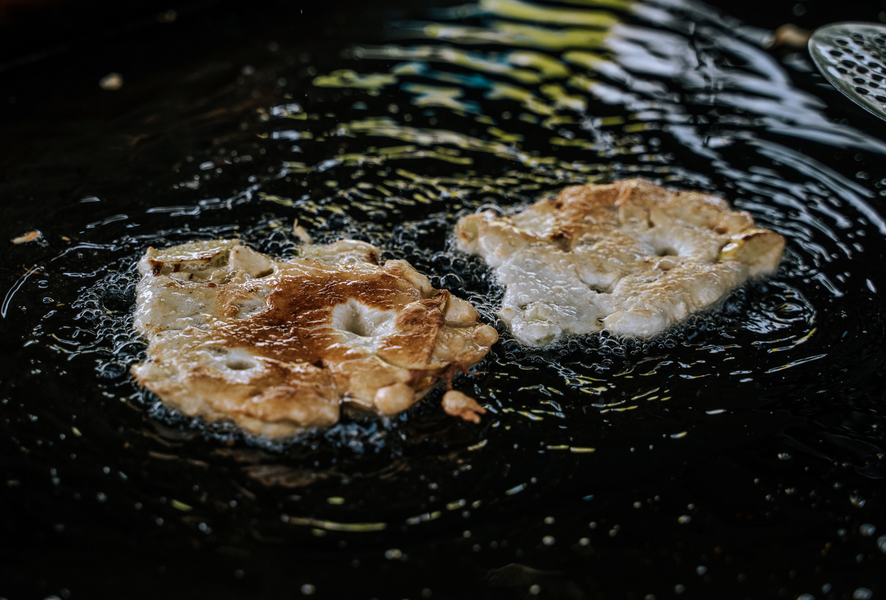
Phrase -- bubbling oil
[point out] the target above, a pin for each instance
(772, 312)
(472, 128)
(485, 106)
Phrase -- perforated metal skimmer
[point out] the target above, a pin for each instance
(852, 56)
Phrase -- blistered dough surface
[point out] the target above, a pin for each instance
(277, 346)
(630, 257)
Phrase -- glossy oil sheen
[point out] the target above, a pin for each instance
(738, 455)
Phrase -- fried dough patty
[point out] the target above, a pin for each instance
(277, 346)
(630, 257)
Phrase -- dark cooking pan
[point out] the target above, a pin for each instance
(740, 455)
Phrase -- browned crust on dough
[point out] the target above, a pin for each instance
(300, 363)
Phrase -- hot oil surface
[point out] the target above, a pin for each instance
(727, 452)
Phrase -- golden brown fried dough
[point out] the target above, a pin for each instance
(630, 257)
(277, 346)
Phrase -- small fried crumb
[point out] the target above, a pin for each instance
(457, 404)
(31, 236)
(111, 82)
(301, 233)
(791, 36)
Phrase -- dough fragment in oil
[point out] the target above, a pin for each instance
(631, 257)
(277, 346)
